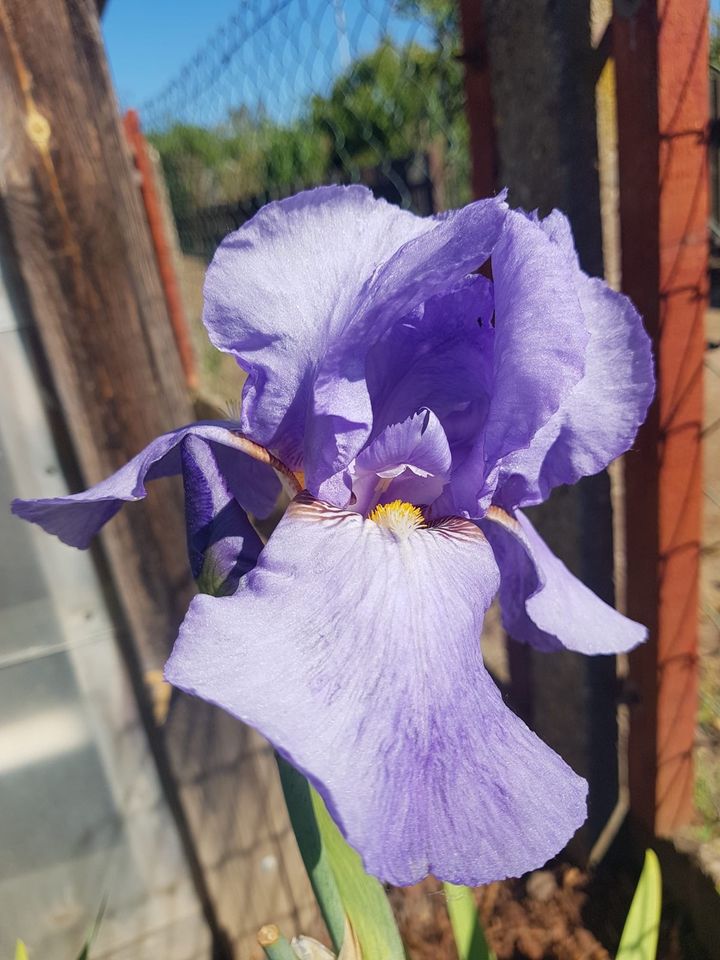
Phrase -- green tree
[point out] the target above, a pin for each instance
(245, 157)
(440, 15)
(392, 104)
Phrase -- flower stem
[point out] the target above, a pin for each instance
(304, 823)
(274, 944)
(467, 929)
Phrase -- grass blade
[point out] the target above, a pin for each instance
(85, 952)
(640, 935)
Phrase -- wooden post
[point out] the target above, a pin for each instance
(661, 54)
(543, 67)
(78, 228)
(76, 225)
(478, 99)
(75, 221)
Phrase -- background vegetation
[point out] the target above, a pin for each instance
(393, 105)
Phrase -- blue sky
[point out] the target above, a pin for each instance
(148, 41)
(297, 48)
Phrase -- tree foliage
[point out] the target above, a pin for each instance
(715, 41)
(389, 104)
(393, 104)
(245, 157)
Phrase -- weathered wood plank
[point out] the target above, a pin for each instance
(71, 201)
(80, 235)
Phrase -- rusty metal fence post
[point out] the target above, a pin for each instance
(661, 53)
(163, 253)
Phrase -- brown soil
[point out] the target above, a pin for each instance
(553, 914)
(539, 918)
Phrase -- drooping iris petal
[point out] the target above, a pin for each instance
(600, 417)
(298, 294)
(542, 603)
(407, 461)
(76, 518)
(222, 543)
(356, 651)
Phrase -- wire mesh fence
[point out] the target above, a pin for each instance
(294, 93)
(707, 752)
(707, 744)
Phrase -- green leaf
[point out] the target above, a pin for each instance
(640, 935)
(20, 951)
(345, 893)
(85, 952)
(274, 944)
(363, 897)
(312, 849)
(467, 929)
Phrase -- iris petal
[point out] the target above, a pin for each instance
(407, 461)
(299, 294)
(440, 357)
(222, 543)
(538, 357)
(356, 652)
(542, 603)
(431, 264)
(540, 335)
(599, 418)
(281, 289)
(76, 518)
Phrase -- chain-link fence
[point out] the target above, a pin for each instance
(295, 93)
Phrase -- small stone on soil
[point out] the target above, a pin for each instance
(541, 885)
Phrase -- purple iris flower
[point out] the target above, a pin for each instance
(425, 404)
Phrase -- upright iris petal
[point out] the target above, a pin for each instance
(439, 357)
(344, 268)
(408, 461)
(539, 353)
